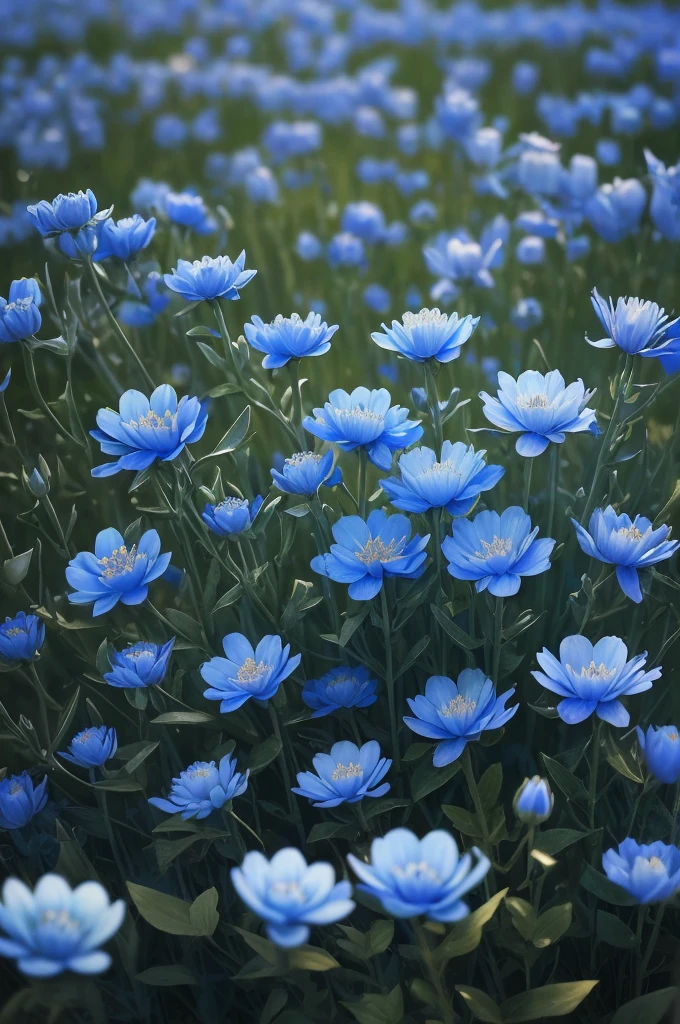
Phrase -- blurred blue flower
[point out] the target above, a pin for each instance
(459, 257)
(147, 429)
(346, 250)
(56, 928)
(377, 298)
(542, 407)
(25, 288)
(608, 152)
(456, 714)
(21, 637)
(114, 573)
(428, 334)
(232, 515)
(308, 247)
(287, 338)
(65, 213)
(91, 747)
(458, 114)
(124, 238)
(341, 687)
(533, 801)
(660, 747)
(143, 314)
(615, 210)
(530, 251)
(497, 550)
(364, 419)
(80, 245)
(636, 326)
(346, 775)
(650, 874)
(202, 788)
(20, 800)
(365, 553)
(140, 664)
(629, 544)
(261, 185)
(364, 220)
(209, 278)
(20, 317)
(423, 213)
(525, 77)
(290, 895)
(591, 678)
(304, 472)
(527, 314)
(169, 131)
(189, 211)
(247, 672)
(454, 482)
(411, 877)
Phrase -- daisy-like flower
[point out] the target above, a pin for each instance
(636, 326)
(453, 482)
(115, 573)
(209, 278)
(289, 338)
(648, 873)
(246, 672)
(340, 688)
(428, 334)
(202, 788)
(346, 775)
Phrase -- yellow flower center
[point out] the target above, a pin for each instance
(251, 670)
(119, 561)
(630, 533)
(377, 551)
(594, 671)
(14, 631)
(539, 401)
(458, 706)
(61, 919)
(414, 868)
(498, 546)
(347, 771)
(168, 421)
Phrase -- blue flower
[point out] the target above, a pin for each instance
(261, 185)
(25, 288)
(497, 550)
(453, 483)
(209, 278)
(124, 238)
(428, 334)
(660, 746)
(114, 573)
(147, 429)
(533, 801)
(143, 314)
(342, 687)
(247, 672)
(411, 877)
(364, 419)
(56, 928)
(526, 314)
(308, 247)
(541, 407)
(20, 800)
(664, 208)
(615, 209)
(80, 245)
(92, 747)
(364, 220)
(202, 788)
(628, 544)
(593, 678)
(636, 326)
(304, 472)
(650, 874)
(456, 714)
(365, 553)
(20, 317)
(377, 298)
(289, 338)
(346, 775)
(21, 637)
(231, 516)
(189, 211)
(65, 213)
(459, 257)
(346, 250)
(290, 895)
(140, 664)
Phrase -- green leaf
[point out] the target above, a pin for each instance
(549, 1001)
(480, 1005)
(467, 934)
(230, 597)
(622, 761)
(211, 355)
(614, 932)
(380, 936)
(15, 569)
(523, 916)
(463, 820)
(185, 718)
(600, 886)
(412, 656)
(565, 780)
(263, 754)
(168, 849)
(427, 778)
(458, 635)
(489, 786)
(167, 975)
(311, 958)
(232, 440)
(276, 1000)
(382, 806)
(416, 751)
(202, 332)
(552, 925)
(266, 949)
(66, 718)
(331, 830)
(203, 912)
(352, 623)
(140, 757)
(557, 839)
(378, 1009)
(166, 913)
(651, 1008)
(188, 627)
(120, 784)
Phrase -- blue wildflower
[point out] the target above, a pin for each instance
(140, 664)
(80, 245)
(527, 314)
(533, 801)
(636, 326)
(56, 928)
(497, 550)
(289, 338)
(341, 687)
(261, 185)
(650, 874)
(660, 747)
(21, 637)
(308, 247)
(428, 334)
(364, 419)
(124, 238)
(202, 788)
(629, 544)
(456, 714)
(290, 895)
(232, 515)
(114, 573)
(455, 482)
(664, 208)
(346, 250)
(143, 314)
(304, 472)
(364, 220)
(591, 678)
(20, 317)
(530, 251)
(459, 257)
(92, 747)
(365, 553)
(209, 278)
(20, 800)
(189, 211)
(615, 210)
(24, 288)
(377, 298)
(65, 213)
(541, 407)
(346, 775)
(411, 877)
(246, 672)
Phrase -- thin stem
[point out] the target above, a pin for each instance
(497, 639)
(247, 828)
(363, 470)
(435, 411)
(553, 486)
(42, 706)
(389, 677)
(468, 771)
(283, 760)
(434, 974)
(37, 394)
(528, 469)
(606, 441)
(117, 329)
(661, 910)
(361, 817)
(676, 812)
(296, 402)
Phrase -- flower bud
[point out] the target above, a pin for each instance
(533, 801)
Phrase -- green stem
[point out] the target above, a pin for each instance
(468, 771)
(37, 394)
(361, 817)
(607, 439)
(435, 411)
(528, 469)
(497, 639)
(117, 329)
(283, 760)
(676, 812)
(434, 974)
(389, 678)
(651, 945)
(363, 471)
(247, 828)
(553, 486)
(42, 706)
(296, 402)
